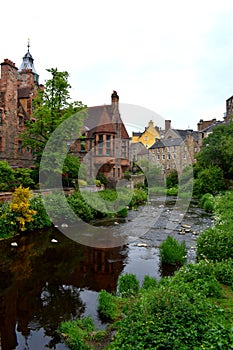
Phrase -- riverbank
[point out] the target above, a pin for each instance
(194, 309)
(48, 278)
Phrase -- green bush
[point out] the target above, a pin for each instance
(108, 305)
(172, 191)
(167, 318)
(216, 243)
(7, 221)
(172, 252)
(224, 272)
(207, 202)
(23, 177)
(128, 285)
(123, 213)
(149, 282)
(76, 332)
(172, 179)
(41, 218)
(7, 178)
(199, 278)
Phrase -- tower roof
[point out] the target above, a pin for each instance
(28, 61)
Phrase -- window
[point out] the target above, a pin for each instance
(163, 156)
(83, 146)
(20, 147)
(108, 145)
(158, 156)
(169, 156)
(1, 118)
(195, 149)
(123, 148)
(146, 138)
(185, 156)
(100, 145)
(1, 144)
(20, 121)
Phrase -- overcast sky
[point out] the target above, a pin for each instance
(171, 58)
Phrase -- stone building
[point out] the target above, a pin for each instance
(148, 136)
(229, 107)
(104, 146)
(17, 89)
(176, 150)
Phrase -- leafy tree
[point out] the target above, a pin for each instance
(52, 106)
(209, 180)
(23, 176)
(217, 150)
(172, 179)
(7, 179)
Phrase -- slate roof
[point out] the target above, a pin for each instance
(167, 142)
(102, 119)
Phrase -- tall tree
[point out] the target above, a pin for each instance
(52, 106)
(217, 150)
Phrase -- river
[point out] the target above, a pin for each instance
(47, 278)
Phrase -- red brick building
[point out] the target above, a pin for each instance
(17, 90)
(104, 146)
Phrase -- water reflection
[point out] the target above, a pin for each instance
(41, 283)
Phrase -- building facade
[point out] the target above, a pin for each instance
(17, 89)
(148, 136)
(104, 145)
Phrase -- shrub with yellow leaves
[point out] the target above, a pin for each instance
(20, 206)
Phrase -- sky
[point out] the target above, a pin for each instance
(166, 59)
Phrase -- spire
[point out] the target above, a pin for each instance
(28, 63)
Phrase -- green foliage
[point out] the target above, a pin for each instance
(52, 106)
(108, 306)
(7, 178)
(80, 207)
(207, 202)
(23, 177)
(128, 285)
(139, 197)
(41, 218)
(209, 180)
(217, 151)
(76, 332)
(102, 178)
(216, 243)
(199, 278)
(123, 213)
(7, 221)
(82, 182)
(224, 272)
(172, 252)
(172, 179)
(172, 191)
(165, 317)
(149, 282)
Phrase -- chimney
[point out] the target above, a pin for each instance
(167, 125)
(115, 97)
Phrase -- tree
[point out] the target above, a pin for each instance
(52, 107)
(172, 179)
(217, 151)
(209, 180)
(7, 179)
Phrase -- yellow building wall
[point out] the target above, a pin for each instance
(149, 136)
